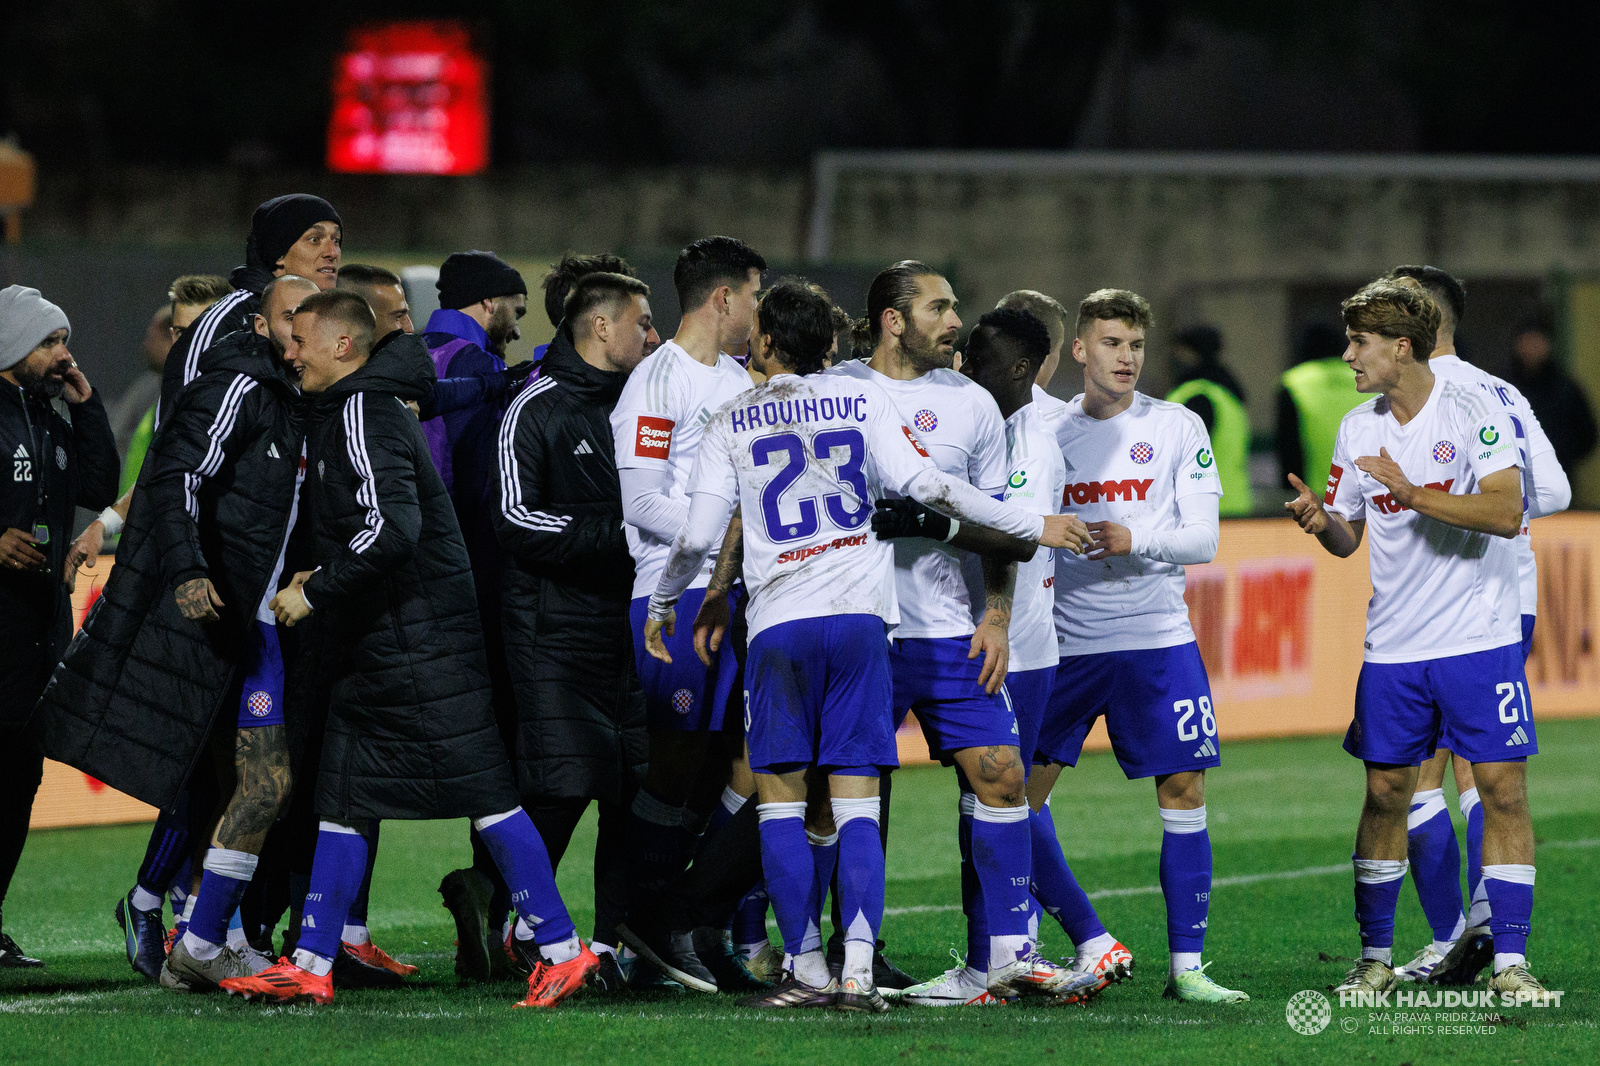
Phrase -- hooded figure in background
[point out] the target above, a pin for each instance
(296, 234)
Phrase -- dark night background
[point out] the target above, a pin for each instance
(737, 82)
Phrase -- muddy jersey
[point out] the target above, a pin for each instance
(806, 457)
(959, 425)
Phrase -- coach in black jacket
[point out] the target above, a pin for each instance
(581, 724)
(60, 456)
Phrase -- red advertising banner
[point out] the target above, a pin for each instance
(409, 98)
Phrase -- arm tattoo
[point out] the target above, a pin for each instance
(730, 560)
(261, 766)
(999, 583)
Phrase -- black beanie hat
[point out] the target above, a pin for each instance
(279, 223)
(468, 277)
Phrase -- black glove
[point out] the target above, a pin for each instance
(908, 518)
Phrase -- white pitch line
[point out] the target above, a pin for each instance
(1220, 882)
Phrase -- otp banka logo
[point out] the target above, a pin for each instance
(1017, 479)
(1203, 457)
(1489, 435)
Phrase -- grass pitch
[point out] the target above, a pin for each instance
(1282, 815)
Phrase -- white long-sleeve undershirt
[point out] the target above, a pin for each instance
(1552, 492)
(1194, 541)
(648, 504)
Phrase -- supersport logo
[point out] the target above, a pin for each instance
(797, 554)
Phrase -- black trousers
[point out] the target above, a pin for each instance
(21, 768)
(556, 819)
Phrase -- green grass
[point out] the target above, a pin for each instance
(1275, 807)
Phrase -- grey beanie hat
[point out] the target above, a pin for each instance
(26, 319)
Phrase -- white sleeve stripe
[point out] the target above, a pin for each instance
(355, 444)
(222, 425)
(511, 505)
(205, 330)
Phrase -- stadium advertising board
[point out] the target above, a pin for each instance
(1279, 622)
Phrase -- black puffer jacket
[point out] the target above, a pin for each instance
(409, 732)
(140, 685)
(62, 465)
(581, 722)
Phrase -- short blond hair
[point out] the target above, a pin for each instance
(1103, 305)
(1395, 308)
(1046, 309)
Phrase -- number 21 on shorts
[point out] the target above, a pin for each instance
(1184, 709)
(1508, 691)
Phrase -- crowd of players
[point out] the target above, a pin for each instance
(367, 573)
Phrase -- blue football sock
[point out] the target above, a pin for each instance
(791, 875)
(341, 859)
(1435, 862)
(520, 854)
(860, 852)
(168, 850)
(1002, 857)
(227, 875)
(1377, 894)
(1057, 890)
(1186, 878)
(358, 907)
(655, 845)
(972, 901)
(178, 892)
(750, 917)
(1510, 889)
(824, 860)
(1478, 899)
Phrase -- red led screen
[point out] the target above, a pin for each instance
(409, 98)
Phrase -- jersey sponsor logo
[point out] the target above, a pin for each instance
(1387, 505)
(796, 555)
(1204, 458)
(926, 421)
(1444, 452)
(654, 439)
(1335, 473)
(1096, 491)
(1017, 479)
(1141, 453)
(915, 443)
(1489, 436)
(260, 704)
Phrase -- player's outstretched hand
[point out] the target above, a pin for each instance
(1306, 508)
(711, 625)
(1066, 531)
(653, 628)
(291, 605)
(1386, 470)
(1109, 539)
(86, 548)
(198, 600)
(908, 518)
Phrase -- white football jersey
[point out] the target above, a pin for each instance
(1050, 408)
(807, 457)
(1038, 477)
(1534, 448)
(657, 425)
(1132, 469)
(1437, 590)
(959, 425)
